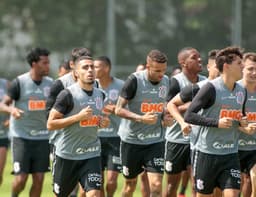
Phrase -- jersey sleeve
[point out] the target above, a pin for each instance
(204, 99)
(189, 92)
(174, 88)
(129, 88)
(64, 102)
(14, 89)
(56, 88)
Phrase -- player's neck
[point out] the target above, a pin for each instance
(105, 81)
(228, 81)
(250, 86)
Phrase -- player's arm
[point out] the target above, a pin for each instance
(204, 99)
(63, 105)
(55, 89)
(13, 93)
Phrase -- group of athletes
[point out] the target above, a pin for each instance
(97, 126)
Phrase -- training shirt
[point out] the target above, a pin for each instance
(112, 94)
(3, 116)
(174, 133)
(30, 96)
(80, 140)
(216, 101)
(248, 142)
(143, 96)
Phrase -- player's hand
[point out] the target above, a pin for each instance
(85, 113)
(185, 128)
(108, 109)
(16, 112)
(104, 122)
(250, 129)
(243, 121)
(225, 123)
(149, 118)
(167, 120)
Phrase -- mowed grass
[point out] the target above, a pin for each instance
(5, 188)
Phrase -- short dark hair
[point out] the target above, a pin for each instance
(227, 55)
(104, 59)
(65, 65)
(249, 55)
(157, 56)
(78, 52)
(212, 54)
(83, 58)
(35, 53)
(183, 53)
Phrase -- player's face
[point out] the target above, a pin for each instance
(85, 71)
(249, 71)
(42, 66)
(236, 68)
(212, 69)
(156, 71)
(99, 69)
(193, 62)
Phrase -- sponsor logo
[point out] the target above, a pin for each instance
(143, 136)
(94, 121)
(37, 133)
(158, 161)
(87, 150)
(251, 116)
(151, 107)
(36, 105)
(95, 177)
(235, 173)
(218, 145)
(242, 142)
(229, 113)
(116, 160)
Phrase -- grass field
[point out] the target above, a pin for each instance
(5, 188)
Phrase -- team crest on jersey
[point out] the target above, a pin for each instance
(240, 97)
(46, 91)
(113, 94)
(99, 104)
(162, 92)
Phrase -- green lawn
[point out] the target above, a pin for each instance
(5, 188)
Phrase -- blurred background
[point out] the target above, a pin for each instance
(125, 30)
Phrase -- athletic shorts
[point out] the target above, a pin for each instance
(30, 156)
(177, 157)
(4, 142)
(66, 174)
(212, 171)
(137, 158)
(247, 160)
(110, 153)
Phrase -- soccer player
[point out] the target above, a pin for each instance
(247, 143)
(29, 135)
(141, 104)
(110, 141)
(177, 149)
(77, 114)
(220, 101)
